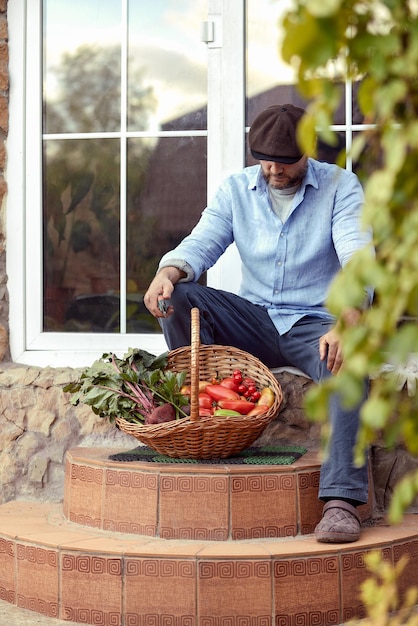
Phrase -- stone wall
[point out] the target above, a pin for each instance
(38, 425)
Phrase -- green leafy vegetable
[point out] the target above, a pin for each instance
(131, 387)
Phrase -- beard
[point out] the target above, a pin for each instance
(285, 182)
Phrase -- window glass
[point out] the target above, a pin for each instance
(166, 63)
(124, 154)
(269, 80)
(82, 65)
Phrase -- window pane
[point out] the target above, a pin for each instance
(166, 194)
(167, 62)
(82, 67)
(165, 87)
(81, 234)
(269, 80)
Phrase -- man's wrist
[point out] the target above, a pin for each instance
(184, 271)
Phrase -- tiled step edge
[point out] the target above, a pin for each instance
(89, 576)
(199, 502)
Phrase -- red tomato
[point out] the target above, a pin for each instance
(242, 406)
(248, 381)
(230, 383)
(218, 392)
(237, 375)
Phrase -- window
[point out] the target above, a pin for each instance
(122, 122)
(114, 168)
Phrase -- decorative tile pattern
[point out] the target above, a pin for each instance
(306, 591)
(194, 507)
(37, 579)
(130, 502)
(234, 593)
(91, 589)
(263, 506)
(409, 576)
(86, 495)
(7, 569)
(160, 592)
(353, 574)
(310, 508)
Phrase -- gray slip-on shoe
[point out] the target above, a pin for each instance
(340, 523)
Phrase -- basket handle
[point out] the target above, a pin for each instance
(194, 365)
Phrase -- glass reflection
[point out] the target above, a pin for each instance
(269, 80)
(166, 195)
(82, 68)
(81, 233)
(167, 58)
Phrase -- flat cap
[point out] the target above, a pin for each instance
(272, 135)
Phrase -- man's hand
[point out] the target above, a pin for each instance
(330, 344)
(160, 290)
(330, 349)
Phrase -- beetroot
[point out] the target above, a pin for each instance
(159, 415)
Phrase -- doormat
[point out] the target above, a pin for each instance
(256, 455)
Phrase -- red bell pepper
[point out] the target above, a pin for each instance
(218, 392)
(242, 406)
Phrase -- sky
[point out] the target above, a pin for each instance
(164, 38)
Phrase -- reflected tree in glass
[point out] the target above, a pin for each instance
(82, 191)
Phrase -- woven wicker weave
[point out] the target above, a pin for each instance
(217, 436)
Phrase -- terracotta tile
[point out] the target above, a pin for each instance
(130, 501)
(234, 592)
(37, 579)
(234, 550)
(263, 506)
(85, 497)
(306, 591)
(194, 507)
(91, 589)
(67, 487)
(159, 591)
(173, 548)
(353, 574)
(310, 508)
(409, 550)
(7, 569)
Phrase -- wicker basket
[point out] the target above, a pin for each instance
(217, 436)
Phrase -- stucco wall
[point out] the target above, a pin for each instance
(4, 127)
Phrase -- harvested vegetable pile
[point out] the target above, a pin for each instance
(139, 389)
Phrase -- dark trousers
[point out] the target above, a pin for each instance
(228, 319)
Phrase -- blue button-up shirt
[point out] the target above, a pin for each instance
(286, 267)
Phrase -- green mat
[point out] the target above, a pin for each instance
(263, 455)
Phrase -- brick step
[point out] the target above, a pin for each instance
(193, 501)
(90, 576)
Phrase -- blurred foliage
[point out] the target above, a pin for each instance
(372, 44)
(381, 595)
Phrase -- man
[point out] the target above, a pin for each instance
(295, 222)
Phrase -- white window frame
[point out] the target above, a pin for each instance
(226, 98)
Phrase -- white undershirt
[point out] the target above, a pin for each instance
(281, 200)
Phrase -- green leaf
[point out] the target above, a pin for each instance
(375, 413)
